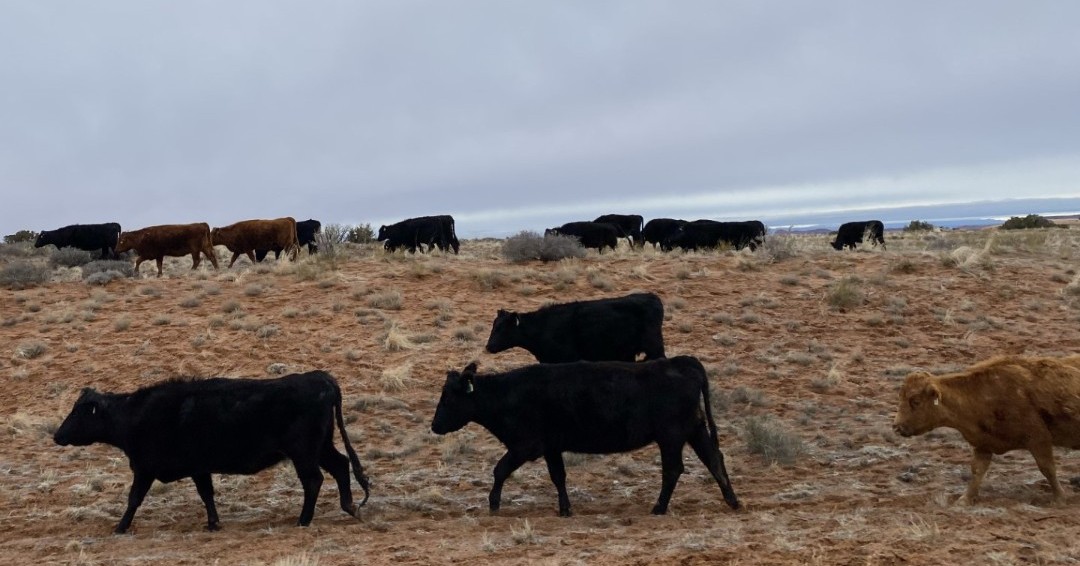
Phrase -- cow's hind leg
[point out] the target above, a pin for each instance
(671, 462)
(140, 484)
(337, 465)
(557, 471)
(1044, 457)
(233, 260)
(713, 458)
(195, 259)
(159, 260)
(205, 487)
(506, 466)
(311, 479)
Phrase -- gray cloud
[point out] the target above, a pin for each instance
(515, 113)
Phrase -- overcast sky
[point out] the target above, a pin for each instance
(524, 114)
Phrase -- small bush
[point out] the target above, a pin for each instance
(779, 247)
(70, 257)
(103, 277)
(361, 234)
(123, 322)
(845, 294)
(22, 274)
(1026, 222)
(772, 442)
(528, 245)
(919, 226)
(21, 236)
(389, 300)
(190, 302)
(267, 331)
(30, 350)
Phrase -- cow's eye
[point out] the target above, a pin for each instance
(914, 402)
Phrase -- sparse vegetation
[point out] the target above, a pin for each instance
(23, 274)
(69, 257)
(387, 300)
(30, 350)
(528, 246)
(919, 226)
(775, 445)
(845, 294)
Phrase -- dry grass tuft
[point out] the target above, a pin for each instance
(387, 300)
(396, 379)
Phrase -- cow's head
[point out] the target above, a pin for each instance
(836, 244)
(505, 332)
(215, 233)
(124, 243)
(43, 239)
(88, 422)
(456, 405)
(919, 410)
(382, 234)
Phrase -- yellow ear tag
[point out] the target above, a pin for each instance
(469, 389)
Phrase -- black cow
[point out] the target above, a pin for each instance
(598, 235)
(589, 407)
(305, 234)
(710, 234)
(87, 237)
(435, 231)
(629, 226)
(851, 233)
(603, 329)
(193, 428)
(659, 229)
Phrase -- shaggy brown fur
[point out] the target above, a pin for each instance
(249, 235)
(156, 242)
(1002, 404)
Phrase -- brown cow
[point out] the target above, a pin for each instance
(249, 235)
(156, 242)
(1002, 404)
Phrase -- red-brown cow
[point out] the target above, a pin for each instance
(156, 242)
(1002, 404)
(249, 235)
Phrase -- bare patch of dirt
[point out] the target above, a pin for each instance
(814, 343)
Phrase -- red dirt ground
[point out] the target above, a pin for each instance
(766, 326)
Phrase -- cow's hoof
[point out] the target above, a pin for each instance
(658, 510)
(965, 501)
(565, 512)
(212, 527)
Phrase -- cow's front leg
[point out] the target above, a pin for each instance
(557, 471)
(506, 466)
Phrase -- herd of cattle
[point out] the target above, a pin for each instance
(257, 238)
(602, 385)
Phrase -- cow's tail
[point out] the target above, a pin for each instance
(358, 470)
(713, 435)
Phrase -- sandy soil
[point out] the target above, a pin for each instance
(780, 346)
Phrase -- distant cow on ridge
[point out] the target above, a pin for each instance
(597, 235)
(658, 230)
(629, 226)
(1001, 404)
(435, 231)
(194, 428)
(591, 408)
(618, 328)
(249, 235)
(88, 237)
(851, 233)
(305, 236)
(156, 242)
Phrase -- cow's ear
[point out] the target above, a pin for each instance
(501, 313)
(934, 393)
(470, 370)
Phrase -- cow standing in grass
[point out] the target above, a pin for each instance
(852, 233)
(1002, 404)
(156, 242)
(592, 408)
(305, 236)
(629, 226)
(597, 235)
(194, 428)
(618, 328)
(88, 237)
(249, 235)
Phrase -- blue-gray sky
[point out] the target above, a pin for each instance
(514, 114)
